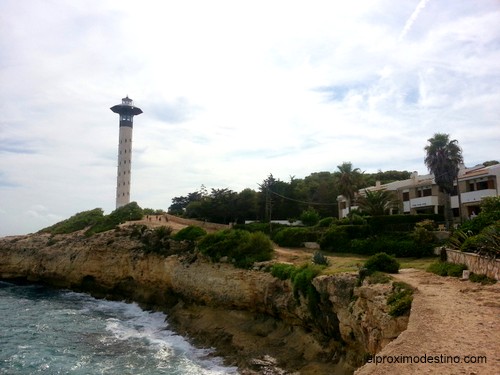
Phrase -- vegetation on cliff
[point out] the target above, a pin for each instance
(236, 246)
(400, 300)
(95, 221)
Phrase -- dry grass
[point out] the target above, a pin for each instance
(343, 262)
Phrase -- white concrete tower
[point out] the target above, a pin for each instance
(127, 111)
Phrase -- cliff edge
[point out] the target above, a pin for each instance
(253, 319)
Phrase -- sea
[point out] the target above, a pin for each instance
(51, 331)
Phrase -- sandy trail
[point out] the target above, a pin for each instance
(449, 317)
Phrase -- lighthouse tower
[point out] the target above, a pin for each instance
(127, 111)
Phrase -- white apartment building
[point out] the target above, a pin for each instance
(420, 194)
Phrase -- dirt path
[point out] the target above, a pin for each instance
(449, 317)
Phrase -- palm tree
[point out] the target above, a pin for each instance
(349, 180)
(377, 203)
(443, 157)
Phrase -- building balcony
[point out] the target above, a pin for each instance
(476, 196)
(424, 202)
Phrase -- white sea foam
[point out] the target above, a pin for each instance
(66, 332)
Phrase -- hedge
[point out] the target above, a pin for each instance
(295, 237)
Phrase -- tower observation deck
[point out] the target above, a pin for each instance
(127, 111)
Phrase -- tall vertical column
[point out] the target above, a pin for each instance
(127, 111)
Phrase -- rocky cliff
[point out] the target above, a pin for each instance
(249, 316)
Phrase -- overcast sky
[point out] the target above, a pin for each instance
(231, 92)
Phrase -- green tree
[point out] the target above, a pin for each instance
(377, 203)
(349, 180)
(246, 205)
(443, 157)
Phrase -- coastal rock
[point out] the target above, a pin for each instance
(245, 314)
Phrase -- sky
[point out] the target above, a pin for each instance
(233, 91)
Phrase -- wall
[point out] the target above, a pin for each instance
(475, 263)
(199, 223)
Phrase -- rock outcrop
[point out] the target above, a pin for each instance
(250, 317)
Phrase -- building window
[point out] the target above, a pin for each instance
(406, 196)
(427, 192)
(482, 185)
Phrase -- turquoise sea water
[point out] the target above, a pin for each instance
(47, 331)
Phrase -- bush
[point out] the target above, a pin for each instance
(447, 269)
(483, 279)
(282, 271)
(383, 263)
(335, 239)
(309, 217)
(154, 240)
(486, 243)
(400, 300)
(398, 223)
(258, 226)
(327, 221)
(190, 233)
(320, 259)
(76, 222)
(490, 214)
(398, 245)
(378, 278)
(131, 211)
(295, 237)
(241, 247)
(301, 278)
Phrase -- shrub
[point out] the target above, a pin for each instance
(260, 227)
(309, 217)
(490, 213)
(404, 223)
(480, 278)
(155, 240)
(326, 222)
(426, 224)
(424, 239)
(282, 271)
(131, 211)
(447, 269)
(190, 233)
(76, 222)
(378, 278)
(320, 259)
(397, 245)
(258, 248)
(335, 239)
(241, 247)
(400, 300)
(301, 278)
(295, 237)
(487, 242)
(383, 263)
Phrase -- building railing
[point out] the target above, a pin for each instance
(476, 196)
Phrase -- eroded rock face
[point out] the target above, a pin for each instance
(247, 314)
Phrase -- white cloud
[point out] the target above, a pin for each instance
(232, 92)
